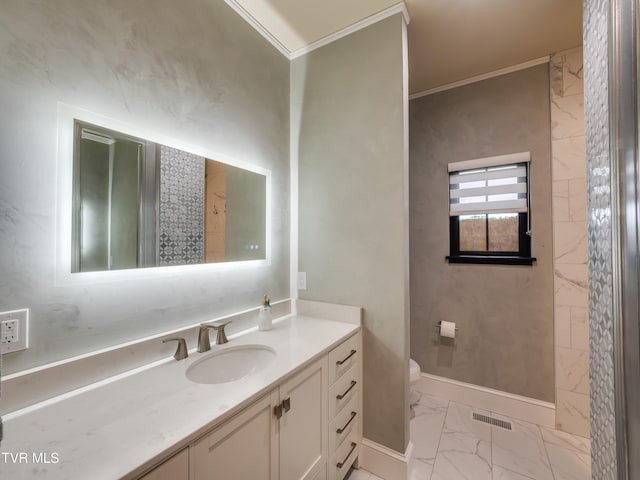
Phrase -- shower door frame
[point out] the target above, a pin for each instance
(625, 138)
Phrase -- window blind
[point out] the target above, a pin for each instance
(489, 185)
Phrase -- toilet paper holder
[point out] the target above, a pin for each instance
(439, 325)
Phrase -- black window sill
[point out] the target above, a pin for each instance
(491, 260)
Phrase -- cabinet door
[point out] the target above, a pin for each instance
(244, 448)
(176, 468)
(303, 425)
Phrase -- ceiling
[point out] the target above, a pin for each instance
(449, 40)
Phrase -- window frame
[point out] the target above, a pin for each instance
(520, 257)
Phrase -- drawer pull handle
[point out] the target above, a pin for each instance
(353, 447)
(353, 384)
(286, 404)
(340, 362)
(277, 411)
(340, 430)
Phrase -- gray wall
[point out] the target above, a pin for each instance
(347, 105)
(504, 313)
(197, 73)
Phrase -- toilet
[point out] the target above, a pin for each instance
(414, 376)
(414, 371)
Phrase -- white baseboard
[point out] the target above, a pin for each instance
(384, 462)
(503, 403)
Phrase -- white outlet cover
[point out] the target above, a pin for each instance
(9, 330)
(22, 342)
(302, 280)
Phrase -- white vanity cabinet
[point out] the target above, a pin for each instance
(345, 409)
(303, 425)
(176, 468)
(281, 436)
(244, 447)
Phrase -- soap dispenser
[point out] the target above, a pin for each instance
(264, 315)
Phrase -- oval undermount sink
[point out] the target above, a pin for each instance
(230, 364)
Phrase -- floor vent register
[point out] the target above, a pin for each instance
(492, 421)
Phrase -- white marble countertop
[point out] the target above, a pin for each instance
(120, 429)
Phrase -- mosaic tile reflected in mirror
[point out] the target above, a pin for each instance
(137, 203)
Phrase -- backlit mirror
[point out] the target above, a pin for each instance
(137, 203)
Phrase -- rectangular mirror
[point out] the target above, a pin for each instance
(137, 203)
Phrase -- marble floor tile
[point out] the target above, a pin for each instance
(429, 404)
(465, 447)
(426, 429)
(420, 469)
(449, 445)
(500, 473)
(569, 464)
(566, 440)
(360, 475)
(521, 450)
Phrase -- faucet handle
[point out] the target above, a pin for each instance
(181, 352)
(221, 336)
(204, 344)
(220, 324)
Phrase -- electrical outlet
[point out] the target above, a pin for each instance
(9, 331)
(14, 331)
(302, 280)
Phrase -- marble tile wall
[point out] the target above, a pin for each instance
(569, 191)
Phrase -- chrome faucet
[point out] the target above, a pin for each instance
(204, 343)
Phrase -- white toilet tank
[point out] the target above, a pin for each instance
(414, 371)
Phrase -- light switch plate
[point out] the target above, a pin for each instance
(14, 331)
(302, 280)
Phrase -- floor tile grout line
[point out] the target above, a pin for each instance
(444, 421)
(491, 446)
(520, 474)
(544, 445)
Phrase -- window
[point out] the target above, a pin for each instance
(489, 210)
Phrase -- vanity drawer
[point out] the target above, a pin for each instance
(344, 456)
(343, 424)
(343, 391)
(343, 357)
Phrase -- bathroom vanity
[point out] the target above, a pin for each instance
(298, 417)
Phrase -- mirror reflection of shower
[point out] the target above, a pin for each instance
(141, 204)
(108, 197)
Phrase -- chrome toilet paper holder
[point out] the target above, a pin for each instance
(439, 325)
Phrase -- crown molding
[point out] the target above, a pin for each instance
(376, 17)
(479, 78)
(258, 27)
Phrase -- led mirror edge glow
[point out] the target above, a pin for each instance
(67, 115)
